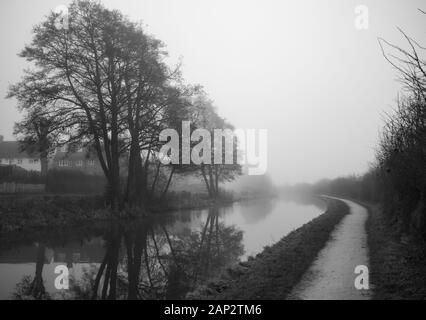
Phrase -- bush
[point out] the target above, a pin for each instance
(61, 181)
(18, 212)
(19, 175)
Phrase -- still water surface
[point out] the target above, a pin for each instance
(162, 258)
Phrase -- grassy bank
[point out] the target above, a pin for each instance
(273, 273)
(21, 212)
(397, 263)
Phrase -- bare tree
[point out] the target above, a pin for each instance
(103, 81)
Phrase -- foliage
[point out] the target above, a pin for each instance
(75, 182)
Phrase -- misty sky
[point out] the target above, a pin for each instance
(297, 68)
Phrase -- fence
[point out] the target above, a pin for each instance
(13, 187)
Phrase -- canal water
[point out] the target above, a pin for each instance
(161, 258)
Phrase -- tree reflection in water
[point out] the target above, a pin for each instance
(143, 260)
(33, 288)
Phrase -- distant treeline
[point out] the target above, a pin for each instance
(398, 178)
(364, 187)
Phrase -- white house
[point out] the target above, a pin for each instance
(11, 154)
(82, 159)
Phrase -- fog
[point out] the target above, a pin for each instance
(300, 69)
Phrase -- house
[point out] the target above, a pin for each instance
(82, 159)
(11, 154)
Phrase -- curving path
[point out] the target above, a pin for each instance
(332, 276)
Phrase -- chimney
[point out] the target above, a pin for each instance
(1, 138)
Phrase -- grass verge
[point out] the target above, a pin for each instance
(397, 265)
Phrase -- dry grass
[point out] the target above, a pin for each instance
(397, 268)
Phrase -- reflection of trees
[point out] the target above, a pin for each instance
(157, 264)
(33, 288)
(136, 246)
(219, 246)
(135, 276)
(108, 268)
(203, 254)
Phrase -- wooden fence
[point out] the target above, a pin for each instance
(13, 187)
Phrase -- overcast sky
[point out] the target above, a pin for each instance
(297, 68)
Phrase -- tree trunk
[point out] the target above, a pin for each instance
(98, 277)
(203, 172)
(37, 286)
(136, 186)
(154, 183)
(135, 246)
(168, 184)
(216, 177)
(212, 183)
(44, 169)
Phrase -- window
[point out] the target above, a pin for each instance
(64, 163)
(19, 161)
(91, 163)
(35, 160)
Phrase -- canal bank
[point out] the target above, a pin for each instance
(273, 273)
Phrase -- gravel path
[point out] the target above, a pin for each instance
(332, 276)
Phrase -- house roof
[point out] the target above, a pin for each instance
(12, 150)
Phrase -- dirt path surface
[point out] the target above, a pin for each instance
(332, 276)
